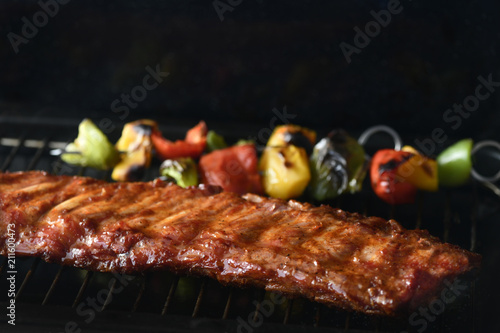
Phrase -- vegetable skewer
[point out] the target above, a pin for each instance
(291, 161)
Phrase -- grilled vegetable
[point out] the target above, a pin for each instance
(215, 141)
(284, 135)
(182, 170)
(338, 164)
(136, 144)
(233, 168)
(192, 146)
(419, 170)
(285, 171)
(455, 163)
(329, 176)
(91, 148)
(386, 182)
(242, 142)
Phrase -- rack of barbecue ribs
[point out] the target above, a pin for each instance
(327, 255)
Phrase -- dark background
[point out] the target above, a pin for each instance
(263, 55)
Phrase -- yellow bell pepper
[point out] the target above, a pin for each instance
(419, 170)
(284, 135)
(285, 171)
(136, 145)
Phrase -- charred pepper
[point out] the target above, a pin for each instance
(284, 163)
(387, 183)
(338, 164)
(182, 170)
(136, 147)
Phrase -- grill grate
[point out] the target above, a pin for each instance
(201, 298)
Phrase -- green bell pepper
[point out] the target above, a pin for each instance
(91, 148)
(215, 141)
(455, 164)
(182, 170)
(338, 164)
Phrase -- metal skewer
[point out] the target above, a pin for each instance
(486, 181)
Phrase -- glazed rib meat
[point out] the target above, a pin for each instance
(324, 254)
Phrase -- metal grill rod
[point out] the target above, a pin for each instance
(110, 295)
(196, 309)
(13, 142)
(347, 321)
(53, 285)
(228, 304)
(27, 277)
(38, 154)
(317, 316)
(141, 293)
(447, 217)
(261, 297)
(288, 311)
(12, 153)
(170, 296)
(82, 288)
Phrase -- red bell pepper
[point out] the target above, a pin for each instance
(386, 182)
(234, 169)
(192, 146)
